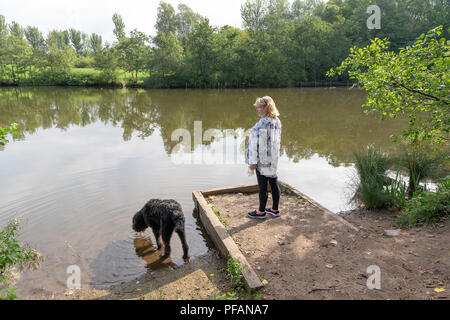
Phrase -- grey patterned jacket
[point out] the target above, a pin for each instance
(263, 148)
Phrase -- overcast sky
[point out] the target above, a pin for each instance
(95, 15)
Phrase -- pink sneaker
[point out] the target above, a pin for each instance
(273, 213)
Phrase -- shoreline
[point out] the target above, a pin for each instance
(413, 264)
(318, 84)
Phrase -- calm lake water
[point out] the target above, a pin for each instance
(90, 158)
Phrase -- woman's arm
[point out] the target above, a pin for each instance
(253, 146)
(252, 149)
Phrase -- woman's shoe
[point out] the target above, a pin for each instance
(273, 213)
(253, 214)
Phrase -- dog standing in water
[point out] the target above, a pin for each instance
(163, 216)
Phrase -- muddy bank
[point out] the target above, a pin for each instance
(201, 278)
(303, 255)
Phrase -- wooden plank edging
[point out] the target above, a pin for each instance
(284, 186)
(224, 243)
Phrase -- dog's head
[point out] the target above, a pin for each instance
(139, 224)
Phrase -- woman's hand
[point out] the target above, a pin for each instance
(253, 167)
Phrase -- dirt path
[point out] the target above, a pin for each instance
(305, 254)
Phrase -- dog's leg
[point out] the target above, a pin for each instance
(157, 233)
(182, 236)
(179, 229)
(167, 231)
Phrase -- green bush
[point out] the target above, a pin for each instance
(14, 258)
(427, 207)
(85, 62)
(109, 78)
(57, 76)
(83, 77)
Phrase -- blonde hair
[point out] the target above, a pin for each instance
(269, 106)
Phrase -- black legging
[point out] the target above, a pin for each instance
(275, 190)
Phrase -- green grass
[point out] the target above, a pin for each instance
(226, 296)
(221, 219)
(371, 165)
(419, 164)
(396, 193)
(75, 77)
(234, 273)
(84, 71)
(427, 207)
(377, 191)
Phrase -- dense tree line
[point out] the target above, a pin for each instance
(282, 44)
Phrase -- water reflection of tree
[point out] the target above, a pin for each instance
(315, 121)
(34, 108)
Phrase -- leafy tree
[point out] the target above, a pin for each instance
(279, 8)
(60, 62)
(253, 13)
(304, 8)
(119, 26)
(280, 44)
(166, 20)
(186, 20)
(232, 50)
(248, 52)
(202, 54)
(3, 30)
(85, 43)
(35, 38)
(4, 33)
(107, 61)
(308, 38)
(134, 53)
(16, 56)
(95, 43)
(167, 57)
(413, 82)
(401, 20)
(16, 30)
(58, 39)
(78, 41)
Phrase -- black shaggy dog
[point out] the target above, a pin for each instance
(163, 216)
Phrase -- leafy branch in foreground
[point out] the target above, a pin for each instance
(5, 132)
(14, 258)
(413, 82)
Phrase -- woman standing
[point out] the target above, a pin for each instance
(262, 154)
